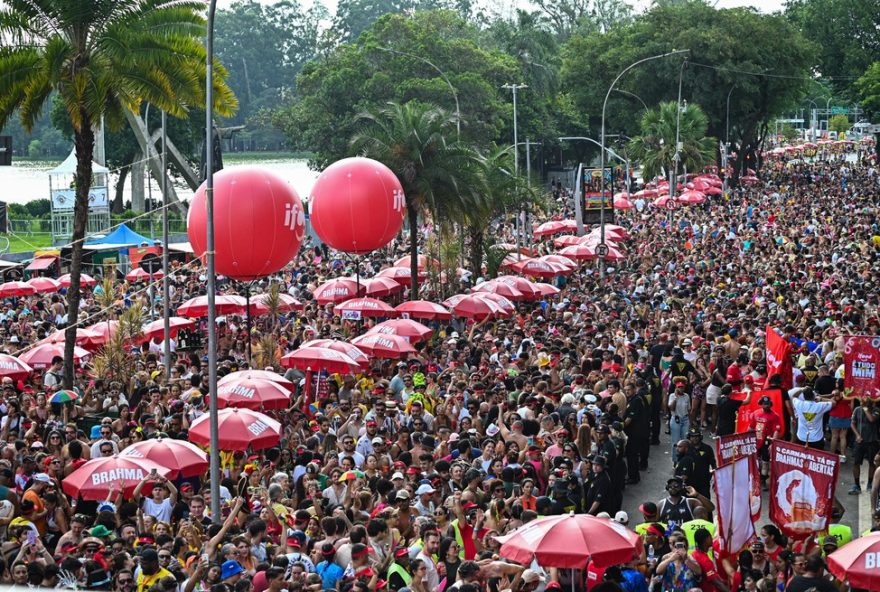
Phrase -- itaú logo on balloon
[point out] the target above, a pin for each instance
(294, 218)
(257, 428)
(120, 474)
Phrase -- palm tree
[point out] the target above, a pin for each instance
(655, 147)
(101, 58)
(441, 176)
(506, 193)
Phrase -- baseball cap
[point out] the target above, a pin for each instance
(397, 475)
(43, 478)
(622, 517)
(423, 489)
(530, 576)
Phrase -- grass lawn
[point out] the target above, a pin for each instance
(23, 244)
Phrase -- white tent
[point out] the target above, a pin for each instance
(68, 167)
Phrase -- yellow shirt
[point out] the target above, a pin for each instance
(145, 582)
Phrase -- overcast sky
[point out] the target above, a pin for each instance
(762, 5)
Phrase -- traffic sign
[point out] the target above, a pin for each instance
(601, 249)
(840, 110)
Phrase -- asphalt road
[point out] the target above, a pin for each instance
(653, 483)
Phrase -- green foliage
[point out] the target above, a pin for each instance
(264, 46)
(846, 34)
(440, 175)
(587, 16)
(838, 123)
(365, 75)
(724, 45)
(655, 147)
(868, 86)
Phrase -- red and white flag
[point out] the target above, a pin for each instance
(779, 358)
(733, 499)
(861, 361)
(743, 446)
(802, 484)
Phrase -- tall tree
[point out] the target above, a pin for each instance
(102, 57)
(760, 78)
(593, 16)
(655, 147)
(868, 87)
(439, 174)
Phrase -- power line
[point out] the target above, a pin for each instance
(771, 75)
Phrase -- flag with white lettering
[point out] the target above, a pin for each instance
(744, 414)
(743, 446)
(861, 359)
(732, 494)
(779, 357)
(802, 484)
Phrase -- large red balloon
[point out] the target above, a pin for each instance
(357, 205)
(259, 223)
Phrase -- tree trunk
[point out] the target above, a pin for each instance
(413, 218)
(476, 249)
(84, 140)
(118, 203)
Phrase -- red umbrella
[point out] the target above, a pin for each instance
(471, 306)
(338, 290)
(423, 262)
(401, 275)
(181, 457)
(856, 562)
(692, 197)
(546, 289)
(341, 346)
(259, 374)
(84, 280)
(748, 180)
(382, 286)
(559, 259)
(612, 230)
(412, 330)
(514, 249)
(495, 287)
(139, 275)
(16, 288)
(286, 302)
(423, 309)
(566, 240)
(507, 306)
(526, 287)
(175, 324)
(240, 429)
(551, 227)
(93, 479)
(621, 203)
(379, 345)
(13, 367)
(614, 254)
(44, 285)
(664, 201)
(224, 304)
(646, 193)
(104, 331)
(40, 356)
(366, 307)
(542, 269)
(571, 541)
(312, 359)
(582, 252)
(84, 337)
(252, 393)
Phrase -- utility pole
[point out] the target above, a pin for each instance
(518, 229)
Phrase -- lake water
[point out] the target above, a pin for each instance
(26, 181)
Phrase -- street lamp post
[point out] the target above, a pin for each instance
(726, 146)
(166, 290)
(442, 75)
(209, 236)
(633, 95)
(514, 88)
(602, 152)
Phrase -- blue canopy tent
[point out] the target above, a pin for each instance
(121, 238)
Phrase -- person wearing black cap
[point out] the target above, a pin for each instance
(599, 495)
(704, 462)
(678, 506)
(767, 426)
(150, 572)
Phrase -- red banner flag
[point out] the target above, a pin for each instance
(744, 415)
(861, 360)
(802, 484)
(732, 492)
(779, 358)
(743, 445)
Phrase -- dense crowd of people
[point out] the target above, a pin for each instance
(403, 475)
